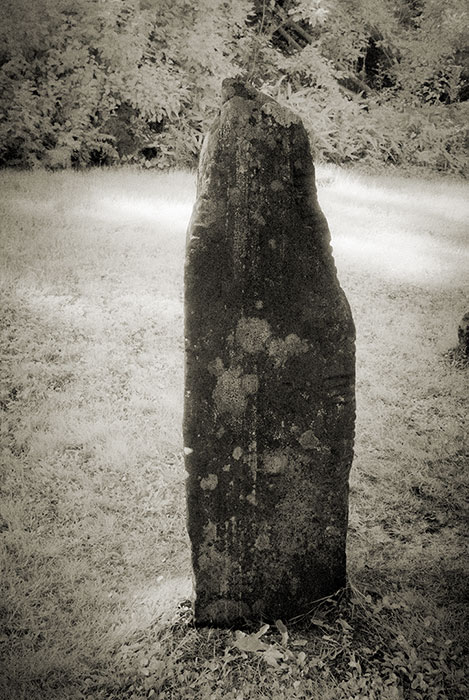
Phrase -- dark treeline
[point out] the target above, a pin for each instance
(85, 82)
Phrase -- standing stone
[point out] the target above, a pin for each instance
(269, 393)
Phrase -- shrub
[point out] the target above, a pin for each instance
(101, 82)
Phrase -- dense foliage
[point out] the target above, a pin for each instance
(105, 81)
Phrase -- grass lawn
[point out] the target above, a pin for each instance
(95, 563)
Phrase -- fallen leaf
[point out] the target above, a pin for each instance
(283, 631)
(299, 642)
(301, 658)
(272, 656)
(248, 642)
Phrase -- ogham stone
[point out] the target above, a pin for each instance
(269, 376)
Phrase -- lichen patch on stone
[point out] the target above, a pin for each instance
(216, 367)
(252, 334)
(309, 441)
(210, 532)
(258, 218)
(209, 483)
(232, 391)
(281, 350)
(276, 186)
(333, 531)
(262, 541)
(275, 462)
(251, 498)
(250, 383)
(237, 453)
(281, 115)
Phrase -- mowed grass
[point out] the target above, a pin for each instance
(95, 561)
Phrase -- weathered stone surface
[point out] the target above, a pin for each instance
(463, 335)
(270, 400)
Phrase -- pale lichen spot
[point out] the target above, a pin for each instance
(258, 218)
(216, 367)
(251, 498)
(281, 350)
(263, 541)
(309, 441)
(237, 453)
(281, 115)
(259, 304)
(234, 194)
(276, 186)
(252, 334)
(275, 462)
(210, 532)
(209, 483)
(232, 391)
(220, 432)
(227, 468)
(272, 243)
(250, 383)
(332, 531)
(188, 451)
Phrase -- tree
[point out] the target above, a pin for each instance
(102, 81)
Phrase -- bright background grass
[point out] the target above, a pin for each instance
(94, 553)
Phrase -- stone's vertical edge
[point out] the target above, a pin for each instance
(269, 374)
(463, 335)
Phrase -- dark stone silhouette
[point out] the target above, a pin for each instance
(269, 401)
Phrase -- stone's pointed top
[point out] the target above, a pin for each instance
(238, 87)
